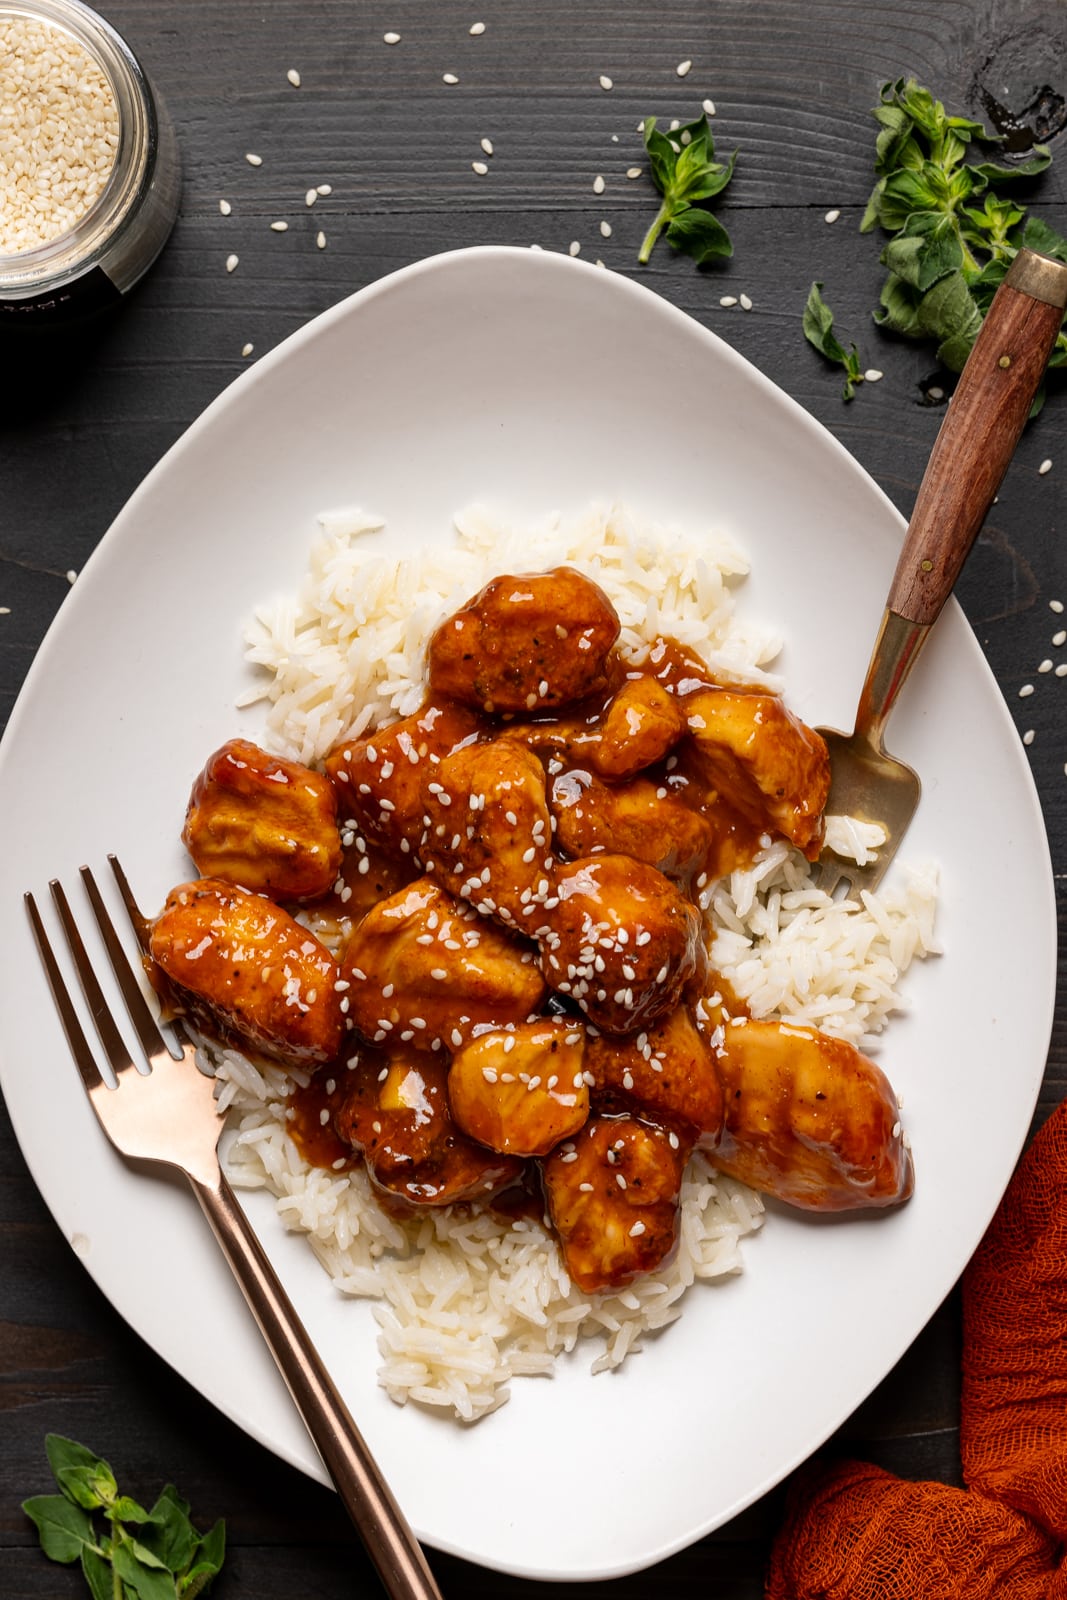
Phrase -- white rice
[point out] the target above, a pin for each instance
(466, 1301)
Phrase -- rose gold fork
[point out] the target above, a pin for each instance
(168, 1115)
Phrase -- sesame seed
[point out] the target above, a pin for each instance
(1028, 736)
(598, 184)
(637, 1230)
(1046, 466)
(1026, 689)
(391, 38)
(1061, 670)
(745, 302)
(585, 1188)
(279, 226)
(572, 249)
(311, 196)
(231, 263)
(320, 240)
(225, 207)
(294, 77)
(728, 300)
(605, 230)
(633, 172)
(253, 160)
(487, 146)
(476, 29)
(872, 375)
(480, 168)
(71, 575)
(1045, 666)
(324, 188)
(684, 68)
(1056, 606)
(708, 107)
(620, 1180)
(449, 77)
(832, 216)
(605, 81)
(246, 349)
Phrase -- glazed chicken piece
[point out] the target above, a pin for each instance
(639, 727)
(424, 968)
(612, 1195)
(244, 969)
(527, 643)
(269, 825)
(762, 760)
(808, 1119)
(379, 778)
(521, 1090)
(622, 941)
(488, 836)
(641, 819)
(667, 1072)
(395, 1110)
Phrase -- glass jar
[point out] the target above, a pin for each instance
(96, 261)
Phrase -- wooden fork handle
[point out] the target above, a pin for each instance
(381, 1524)
(985, 419)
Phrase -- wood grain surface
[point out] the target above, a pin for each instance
(81, 422)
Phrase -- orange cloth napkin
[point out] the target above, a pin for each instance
(854, 1532)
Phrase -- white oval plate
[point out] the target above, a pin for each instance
(530, 381)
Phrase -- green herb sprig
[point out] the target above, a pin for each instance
(137, 1554)
(819, 331)
(954, 234)
(685, 172)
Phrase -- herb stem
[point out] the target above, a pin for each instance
(662, 218)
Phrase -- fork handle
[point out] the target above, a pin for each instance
(381, 1524)
(982, 427)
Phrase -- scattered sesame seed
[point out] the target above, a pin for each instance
(606, 82)
(71, 575)
(872, 375)
(598, 184)
(728, 300)
(1028, 736)
(1046, 466)
(225, 207)
(684, 68)
(605, 230)
(391, 38)
(320, 240)
(231, 263)
(832, 216)
(1056, 606)
(324, 188)
(745, 302)
(311, 196)
(246, 350)
(935, 393)
(1061, 670)
(476, 29)
(708, 107)
(449, 77)
(1046, 665)
(5, 611)
(253, 160)
(480, 168)
(572, 250)
(633, 172)
(279, 226)
(487, 146)
(1026, 689)
(294, 77)
(1059, 638)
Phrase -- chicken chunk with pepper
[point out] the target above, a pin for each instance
(808, 1119)
(521, 1090)
(243, 967)
(396, 1112)
(528, 643)
(488, 837)
(763, 760)
(641, 819)
(667, 1072)
(612, 1195)
(641, 724)
(622, 941)
(380, 777)
(424, 968)
(267, 824)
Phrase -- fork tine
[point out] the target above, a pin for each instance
(110, 1037)
(79, 1045)
(137, 917)
(148, 1033)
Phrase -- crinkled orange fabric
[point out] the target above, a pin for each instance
(854, 1532)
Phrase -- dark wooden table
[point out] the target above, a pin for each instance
(792, 84)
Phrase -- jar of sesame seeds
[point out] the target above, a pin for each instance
(89, 171)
